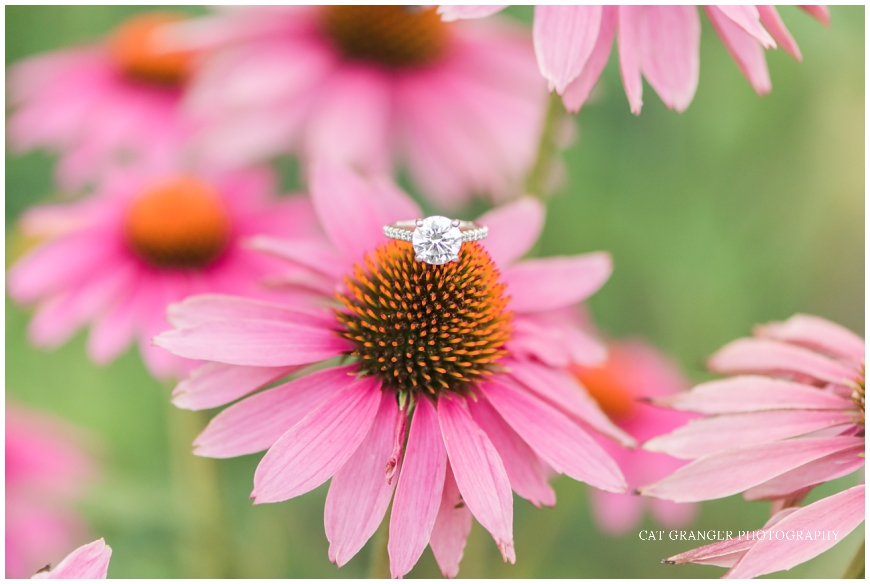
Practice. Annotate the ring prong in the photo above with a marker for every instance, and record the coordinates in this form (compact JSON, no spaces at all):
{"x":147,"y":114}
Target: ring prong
{"x":418,"y":223}
{"x":455,"y":223}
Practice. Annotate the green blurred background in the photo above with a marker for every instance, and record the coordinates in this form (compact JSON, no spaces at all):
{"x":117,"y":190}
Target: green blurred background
{"x":739,"y":211}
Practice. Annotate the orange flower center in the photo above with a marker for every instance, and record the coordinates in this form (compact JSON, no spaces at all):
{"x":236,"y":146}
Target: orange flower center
{"x":136,"y":49}
{"x":422,"y":327}
{"x":179,"y":222}
{"x":393,"y":36}
{"x":606,"y":387}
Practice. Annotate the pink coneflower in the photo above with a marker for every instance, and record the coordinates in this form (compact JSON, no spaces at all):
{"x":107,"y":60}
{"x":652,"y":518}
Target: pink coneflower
{"x":634,"y":370}
{"x":145,"y":239}
{"x":89,"y":562}
{"x":792,"y":419}
{"x":102,"y":105}
{"x":46,"y":470}
{"x":443,"y":354}
{"x":662,"y":43}
{"x":459,"y":106}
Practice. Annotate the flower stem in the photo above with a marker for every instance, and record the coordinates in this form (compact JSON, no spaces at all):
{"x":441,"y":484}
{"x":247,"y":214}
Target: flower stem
{"x":539,"y":180}
{"x":856,"y":566}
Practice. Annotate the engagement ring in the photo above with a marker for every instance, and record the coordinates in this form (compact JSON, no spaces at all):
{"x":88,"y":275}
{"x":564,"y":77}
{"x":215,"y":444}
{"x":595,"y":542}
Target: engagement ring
{"x":436,"y":239}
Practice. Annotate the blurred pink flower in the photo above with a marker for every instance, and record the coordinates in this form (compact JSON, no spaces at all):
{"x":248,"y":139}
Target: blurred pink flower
{"x":89,"y":562}
{"x":46,"y":469}
{"x":661,"y":42}
{"x":635,"y":370}
{"x":455,"y":344}
{"x":102,"y":105}
{"x":145,"y":239}
{"x":792,"y":419}
{"x":461,"y":106}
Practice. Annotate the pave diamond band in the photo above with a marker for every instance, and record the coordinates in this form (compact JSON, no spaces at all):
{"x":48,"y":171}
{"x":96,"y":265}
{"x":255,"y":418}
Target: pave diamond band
{"x":436,"y":239}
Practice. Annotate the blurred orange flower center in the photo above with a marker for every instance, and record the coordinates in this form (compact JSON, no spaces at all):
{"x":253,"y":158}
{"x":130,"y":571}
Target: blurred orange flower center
{"x":608,"y":389}
{"x":135,"y":47}
{"x":393,"y":36}
{"x":178,"y":223}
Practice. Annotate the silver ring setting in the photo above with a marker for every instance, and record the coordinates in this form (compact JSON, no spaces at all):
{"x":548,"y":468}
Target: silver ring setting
{"x":436,"y":239}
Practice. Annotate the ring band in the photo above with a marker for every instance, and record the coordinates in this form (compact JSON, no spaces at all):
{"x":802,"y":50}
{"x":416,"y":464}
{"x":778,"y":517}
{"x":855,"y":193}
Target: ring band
{"x":404,"y":230}
{"x":436,"y":239}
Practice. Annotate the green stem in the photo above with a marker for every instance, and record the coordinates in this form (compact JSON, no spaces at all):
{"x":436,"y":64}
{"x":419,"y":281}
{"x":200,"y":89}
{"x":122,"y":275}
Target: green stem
{"x":856,"y":566}
{"x":379,"y":559}
{"x":548,"y":148}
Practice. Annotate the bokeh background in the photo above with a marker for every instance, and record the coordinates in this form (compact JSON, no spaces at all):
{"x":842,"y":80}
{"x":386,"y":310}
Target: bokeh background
{"x":739,"y":211}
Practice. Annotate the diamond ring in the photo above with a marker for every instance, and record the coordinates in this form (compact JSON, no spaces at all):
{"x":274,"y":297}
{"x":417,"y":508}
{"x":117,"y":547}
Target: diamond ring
{"x":436,"y":239}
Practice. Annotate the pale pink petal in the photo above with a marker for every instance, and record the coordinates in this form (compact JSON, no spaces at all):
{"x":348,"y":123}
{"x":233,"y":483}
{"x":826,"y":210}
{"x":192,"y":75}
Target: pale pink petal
{"x":813,"y":473}
{"x":820,"y":13}
{"x":261,"y":343}
{"x":629,"y":39}
{"x":452,"y":526}
{"x":313,"y":450}
{"x":215,"y":384}
{"x":314,"y":255}
{"x":726,"y":473}
{"x":839,"y":513}
{"x":527,"y":473}
{"x":556,"y":439}
{"x":555,"y":282}
{"x":564,"y":38}
{"x":513,"y":229}
{"x":751,"y":393}
{"x":745,"y":50}
{"x":673,"y":515}
{"x":418,"y":495}
{"x":616,"y":513}
{"x":554,"y":338}
{"x":578,"y":90}
{"x":203,"y":308}
{"x":775,"y":358}
{"x":479,"y":473}
{"x":256,"y":423}
{"x":705,"y":436}
{"x":451,"y":13}
{"x":746,"y":17}
{"x":359,"y":495}
{"x":670,"y":58}
{"x":815,"y":333}
{"x":90,"y":561}
{"x":773,"y":23}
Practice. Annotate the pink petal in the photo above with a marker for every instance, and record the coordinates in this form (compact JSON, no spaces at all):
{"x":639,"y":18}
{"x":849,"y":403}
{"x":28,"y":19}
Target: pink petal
{"x":90,"y":561}
{"x":839,"y":513}
{"x":564,"y":38}
{"x":616,"y":513}
{"x":418,"y":495}
{"x":452,"y":526}
{"x":745,"y":50}
{"x":578,"y":90}
{"x":451,"y":13}
{"x":358,"y":494}
{"x":708,"y":435}
{"x":314,"y":255}
{"x":256,"y":423}
{"x":318,"y":446}
{"x":817,"y":334}
{"x":726,"y":473}
{"x":513,"y":229}
{"x":556,"y":282}
{"x":813,"y":473}
{"x":196,"y":310}
{"x":560,"y":442}
{"x":554,"y":342}
{"x":820,"y":13}
{"x":527,"y":473}
{"x":479,"y":473}
{"x":261,"y":343}
{"x":775,"y":358}
{"x":773,"y":23}
{"x":215,"y":384}
{"x":752,"y":393}
{"x":746,"y":17}
{"x":670,"y":58}
{"x":629,"y":41}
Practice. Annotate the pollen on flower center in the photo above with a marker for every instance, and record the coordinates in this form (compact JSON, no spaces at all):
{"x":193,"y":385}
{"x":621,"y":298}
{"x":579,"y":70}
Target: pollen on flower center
{"x":179,"y":222}
{"x":134,"y":48}
{"x":607,"y":389}
{"x":393,"y":36}
{"x":422,"y":327}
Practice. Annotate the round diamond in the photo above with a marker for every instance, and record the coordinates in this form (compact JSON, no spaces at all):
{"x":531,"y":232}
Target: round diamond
{"x":437,"y":240}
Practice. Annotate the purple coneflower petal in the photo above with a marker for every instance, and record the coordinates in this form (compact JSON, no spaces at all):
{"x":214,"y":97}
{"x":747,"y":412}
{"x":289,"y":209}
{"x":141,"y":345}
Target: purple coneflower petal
{"x":314,"y":255}
{"x":819,"y":12}
{"x":774,"y":24}
{"x":745,"y":50}
{"x":513,"y":229}
{"x":452,"y":526}
{"x":815,"y":333}
{"x":579,"y":89}
{"x":90,"y":561}
{"x":628,"y":42}
{"x":670,"y":58}
{"x":564,"y":38}
{"x":453,"y":12}
{"x":747,"y":18}
{"x":827,"y":468}
{"x":215,"y":384}
{"x":555,"y":282}
{"x":203,"y":308}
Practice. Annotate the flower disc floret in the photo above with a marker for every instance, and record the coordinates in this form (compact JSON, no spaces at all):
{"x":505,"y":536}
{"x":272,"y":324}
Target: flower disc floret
{"x":135,"y":48}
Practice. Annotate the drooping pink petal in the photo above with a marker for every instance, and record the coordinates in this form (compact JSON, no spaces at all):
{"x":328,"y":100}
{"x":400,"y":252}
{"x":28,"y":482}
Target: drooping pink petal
{"x":256,"y":423}
{"x":203,"y":308}
{"x":578,"y":90}
{"x":839,"y":513}
{"x":774,"y":358}
{"x":773,"y":23}
{"x":815,"y":333}
{"x":564,"y":38}
{"x":820,"y":13}
{"x":479,"y":473}
{"x":527,"y":473}
{"x":746,"y":51}
{"x":260,"y":343}
{"x":670,"y":57}
{"x":91,"y":561}
{"x":555,"y":282}
{"x":318,"y":446}
{"x":708,"y":435}
{"x":358,"y":495}
{"x":628,"y":40}
{"x":750,"y":393}
{"x":726,"y":473}
{"x":747,"y":18}
{"x":452,"y":526}
{"x":557,"y":440}
{"x":813,"y":473}
{"x":453,"y":12}
{"x":418,"y":496}
{"x":215,"y":384}
{"x":513,"y":229}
